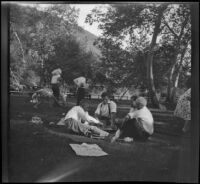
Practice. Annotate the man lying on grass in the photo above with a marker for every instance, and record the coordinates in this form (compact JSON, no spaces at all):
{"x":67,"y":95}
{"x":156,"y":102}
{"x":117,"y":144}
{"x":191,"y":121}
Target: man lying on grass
{"x":79,"y":121}
{"x":138,"y":124}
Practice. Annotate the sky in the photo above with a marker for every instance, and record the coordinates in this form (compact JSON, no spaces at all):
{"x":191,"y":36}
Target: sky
{"x":84,"y":10}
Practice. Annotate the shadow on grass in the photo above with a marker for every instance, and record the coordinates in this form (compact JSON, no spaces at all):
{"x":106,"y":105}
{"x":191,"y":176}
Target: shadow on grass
{"x":36,"y":154}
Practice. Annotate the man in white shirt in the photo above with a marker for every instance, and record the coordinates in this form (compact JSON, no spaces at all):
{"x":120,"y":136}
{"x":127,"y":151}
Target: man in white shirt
{"x":106,"y":111}
{"x":138,"y":124}
{"x":78,"y":114}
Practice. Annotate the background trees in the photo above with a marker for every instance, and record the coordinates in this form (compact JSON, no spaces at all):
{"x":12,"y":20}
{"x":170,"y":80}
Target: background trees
{"x":144,"y":46}
{"x":153,"y":39}
{"x":43,"y":39}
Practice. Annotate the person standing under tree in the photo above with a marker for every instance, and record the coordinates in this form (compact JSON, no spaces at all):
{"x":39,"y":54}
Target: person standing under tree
{"x":55,"y":84}
{"x":80,"y":93}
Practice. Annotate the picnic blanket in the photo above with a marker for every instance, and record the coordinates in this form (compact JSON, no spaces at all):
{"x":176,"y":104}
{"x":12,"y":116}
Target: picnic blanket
{"x":85,"y":149}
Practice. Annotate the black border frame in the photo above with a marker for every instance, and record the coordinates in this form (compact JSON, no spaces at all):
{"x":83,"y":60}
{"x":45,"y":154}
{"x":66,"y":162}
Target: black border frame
{"x":5,"y":83}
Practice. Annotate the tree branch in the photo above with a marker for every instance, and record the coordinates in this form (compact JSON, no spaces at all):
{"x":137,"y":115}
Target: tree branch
{"x":20,"y":43}
{"x":183,"y":26}
{"x":171,"y":29}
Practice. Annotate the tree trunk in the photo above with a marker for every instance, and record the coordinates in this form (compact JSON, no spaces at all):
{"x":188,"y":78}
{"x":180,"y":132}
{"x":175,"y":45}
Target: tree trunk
{"x":123,"y":94}
{"x":170,"y":77}
{"x":175,"y":84}
{"x":150,"y":77}
{"x":20,"y":43}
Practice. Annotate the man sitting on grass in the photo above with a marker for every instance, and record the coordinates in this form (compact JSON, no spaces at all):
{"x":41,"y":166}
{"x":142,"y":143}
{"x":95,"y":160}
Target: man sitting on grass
{"x":79,"y":121}
{"x":106,"y":111}
{"x":137,"y":124}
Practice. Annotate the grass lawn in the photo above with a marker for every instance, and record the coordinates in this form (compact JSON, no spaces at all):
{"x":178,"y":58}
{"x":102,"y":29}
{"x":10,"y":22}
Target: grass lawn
{"x":42,"y":153}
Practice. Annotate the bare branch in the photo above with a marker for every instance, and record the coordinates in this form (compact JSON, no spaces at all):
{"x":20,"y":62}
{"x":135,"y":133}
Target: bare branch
{"x":183,"y":26}
{"x":171,"y":29}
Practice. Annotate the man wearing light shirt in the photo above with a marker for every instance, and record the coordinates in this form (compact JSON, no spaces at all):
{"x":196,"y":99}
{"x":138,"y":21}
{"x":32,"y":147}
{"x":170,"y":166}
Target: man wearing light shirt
{"x":106,"y":111}
{"x":138,"y":124}
{"x":78,"y":114}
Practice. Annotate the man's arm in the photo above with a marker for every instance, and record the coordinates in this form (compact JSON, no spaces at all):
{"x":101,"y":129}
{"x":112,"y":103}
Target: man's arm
{"x":113,"y":109}
{"x":113,"y":116}
{"x":131,"y":115}
{"x":97,"y":112}
{"x":90,"y":119}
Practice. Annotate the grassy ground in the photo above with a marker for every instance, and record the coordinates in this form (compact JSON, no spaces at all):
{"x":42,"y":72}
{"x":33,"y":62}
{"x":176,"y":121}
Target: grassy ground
{"x":42,"y":153}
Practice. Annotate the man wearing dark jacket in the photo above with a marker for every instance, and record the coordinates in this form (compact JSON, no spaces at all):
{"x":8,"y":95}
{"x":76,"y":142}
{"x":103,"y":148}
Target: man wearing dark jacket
{"x":80,"y":94}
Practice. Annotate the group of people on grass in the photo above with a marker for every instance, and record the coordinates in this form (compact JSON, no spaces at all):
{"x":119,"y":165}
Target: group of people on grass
{"x":137,"y":124}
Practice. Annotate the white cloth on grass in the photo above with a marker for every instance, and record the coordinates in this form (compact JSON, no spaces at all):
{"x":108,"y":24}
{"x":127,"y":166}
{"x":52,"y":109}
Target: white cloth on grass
{"x":85,"y":149}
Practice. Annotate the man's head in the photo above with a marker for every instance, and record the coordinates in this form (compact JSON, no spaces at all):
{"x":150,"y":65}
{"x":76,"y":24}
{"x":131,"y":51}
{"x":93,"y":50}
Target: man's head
{"x":84,"y":104}
{"x":105,"y":97}
{"x":140,"y":102}
{"x":133,"y":98}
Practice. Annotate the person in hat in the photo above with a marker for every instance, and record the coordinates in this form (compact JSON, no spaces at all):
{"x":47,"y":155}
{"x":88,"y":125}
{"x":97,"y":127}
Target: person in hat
{"x":55,"y":84}
{"x":138,"y":124}
{"x":106,"y":110}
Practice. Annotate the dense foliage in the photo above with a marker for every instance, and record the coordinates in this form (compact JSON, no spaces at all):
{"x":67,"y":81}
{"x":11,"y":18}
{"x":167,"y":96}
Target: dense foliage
{"x":146,"y":45}
{"x":42,"y":40}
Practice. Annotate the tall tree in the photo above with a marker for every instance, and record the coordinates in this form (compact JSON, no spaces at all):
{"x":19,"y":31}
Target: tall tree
{"x":178,"y":31}
{"x":132,"y":23}
{"x":33,"y":33}
{"x":160,"y":11}
{"x":143,"y":28}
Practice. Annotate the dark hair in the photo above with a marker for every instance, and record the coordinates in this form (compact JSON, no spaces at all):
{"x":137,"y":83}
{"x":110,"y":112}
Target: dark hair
{"x":188,"y":83}
{"x":83,"y":102}
{"x":104,"y":94}
{"x":134,"y":97}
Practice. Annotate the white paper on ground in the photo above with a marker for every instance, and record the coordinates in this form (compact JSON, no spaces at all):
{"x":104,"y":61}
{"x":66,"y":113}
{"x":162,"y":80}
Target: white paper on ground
{"x":61,"y":122}
{"x":85,"y":149}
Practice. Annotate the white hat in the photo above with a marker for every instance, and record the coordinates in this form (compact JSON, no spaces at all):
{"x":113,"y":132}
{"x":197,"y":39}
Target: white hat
{"x":56,"y":71}
{"x":80,"y":80}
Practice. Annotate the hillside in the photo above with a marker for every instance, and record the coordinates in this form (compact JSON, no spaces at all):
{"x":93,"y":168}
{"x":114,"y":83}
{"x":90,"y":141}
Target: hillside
{"x":87,"y":39}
